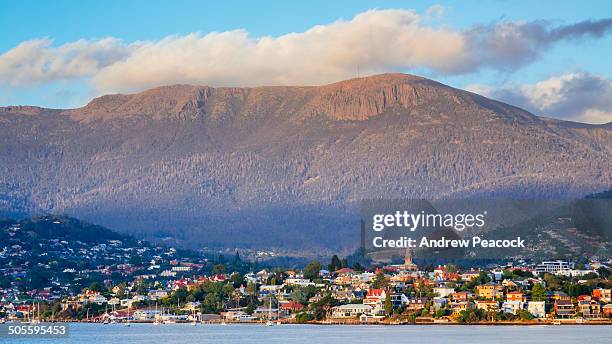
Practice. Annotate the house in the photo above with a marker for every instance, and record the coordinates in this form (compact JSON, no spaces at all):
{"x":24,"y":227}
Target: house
{"x":157,"y":294}
{"x":192,"y":306}
{"x":589,"y":308}
{"x":513,"y":306}
{"x":269,"y":289}
{"x":443,"y":291}
{"x":399,"y":299}
{"x":564,"y":309}
{"x":458,"y":307}
{"x":265,"y":313}
{"x":602,"y":295}
{"x":537,"y":308}
{"x":97,"y":299}
{"x":416,"y":304}
{"x":489,"y":291}
{"x":439,"y":303}
{"x":146,"y":314}
{"x":515,"y":296}
{"x":607,"y":310}
{"x":291,"y":307}
{"x":302,"y":282}
{"x":558,"y":295}
{"x":487,"y":305}
{"x":462,"y":296}
{"x":554,"y":267}
{"x":376,"y":299}
{"x":470,"y":275}
{"x":351,"y":310}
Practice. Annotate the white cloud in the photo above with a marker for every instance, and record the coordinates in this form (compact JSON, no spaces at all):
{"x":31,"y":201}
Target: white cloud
{"x":37,"y":61}
{"x":374,"y":41}
{"x":581,"y":97}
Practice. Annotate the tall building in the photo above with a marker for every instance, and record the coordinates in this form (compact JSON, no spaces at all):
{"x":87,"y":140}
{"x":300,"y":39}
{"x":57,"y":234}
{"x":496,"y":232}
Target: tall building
{"x":408,"y":264}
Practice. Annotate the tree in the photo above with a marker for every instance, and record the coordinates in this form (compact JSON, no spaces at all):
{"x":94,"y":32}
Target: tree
{"x":537,"y":292}
{"x":388,"y":305}
{"x":218,"y":269}
{"x":439,"y":313}
{"x":335,"y":263}
{"x":603,"y":272}
{"x":250,"y":308}
{"x":380,"y":281}
{"x":358,"y":267}
{"x":304,"y":317}
{"x":95,"y":286}
{"x":525,"y":315}
{"x":311,"y":271}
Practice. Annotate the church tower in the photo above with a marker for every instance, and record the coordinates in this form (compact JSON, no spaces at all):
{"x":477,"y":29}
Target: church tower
{"x":408,"y":264}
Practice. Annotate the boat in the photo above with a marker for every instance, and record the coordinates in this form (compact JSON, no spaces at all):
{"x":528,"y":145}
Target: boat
{"x":269,"y":322}
{"x":193,"y":315}
{"x":157,"y":316}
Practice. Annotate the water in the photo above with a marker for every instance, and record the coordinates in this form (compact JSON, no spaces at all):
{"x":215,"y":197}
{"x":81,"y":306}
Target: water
{"x":245,"y":334}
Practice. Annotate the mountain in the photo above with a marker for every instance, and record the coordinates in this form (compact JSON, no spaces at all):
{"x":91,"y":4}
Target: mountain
{"x":285,"y":166}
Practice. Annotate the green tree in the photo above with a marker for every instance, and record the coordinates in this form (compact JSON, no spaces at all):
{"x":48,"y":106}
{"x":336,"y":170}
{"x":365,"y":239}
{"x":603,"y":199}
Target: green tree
{"x":311,"y":271}
{"x":335,"y":263}
{"x":538,"y":293}
{"x":95,"y":286}
{"x":218,"y":269}
{"x":237,"y":259}
{"x":525,"y":315}
{"x":439,"y":313}
{"x":388,"y":305}
{"x":380,"y":281}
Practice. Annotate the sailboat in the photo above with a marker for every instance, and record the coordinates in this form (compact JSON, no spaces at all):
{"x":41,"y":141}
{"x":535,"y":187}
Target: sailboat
{"x":193,"y":315}
{"x":106,"y":316}
{"x":278,"y":322}
{"x":37,"y":320}
{"x":114,"y":315}
{"x":127,"y":323}
{"x":157,"y":316}
{"x":269,"y":322}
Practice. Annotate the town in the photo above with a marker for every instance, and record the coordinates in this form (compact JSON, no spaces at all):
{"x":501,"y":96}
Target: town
{"x":87,"y":273}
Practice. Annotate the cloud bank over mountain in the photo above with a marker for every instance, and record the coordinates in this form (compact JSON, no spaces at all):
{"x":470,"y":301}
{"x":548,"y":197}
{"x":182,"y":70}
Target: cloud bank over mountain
{"x":372,"y":42}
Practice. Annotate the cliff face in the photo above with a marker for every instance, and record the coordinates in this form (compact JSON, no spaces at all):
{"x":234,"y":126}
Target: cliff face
{"x":280,"y":166}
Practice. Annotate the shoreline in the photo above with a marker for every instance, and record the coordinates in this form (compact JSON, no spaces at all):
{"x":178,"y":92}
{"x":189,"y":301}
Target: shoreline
{"x":557,"y":322}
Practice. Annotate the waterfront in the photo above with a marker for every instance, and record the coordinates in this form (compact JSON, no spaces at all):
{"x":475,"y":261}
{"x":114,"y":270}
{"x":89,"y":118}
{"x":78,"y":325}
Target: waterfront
{"x":244,"y":334}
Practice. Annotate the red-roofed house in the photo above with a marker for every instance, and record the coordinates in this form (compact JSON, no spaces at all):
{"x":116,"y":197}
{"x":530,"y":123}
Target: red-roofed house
{"x":292,"y":307}
{"x":376,"y":299}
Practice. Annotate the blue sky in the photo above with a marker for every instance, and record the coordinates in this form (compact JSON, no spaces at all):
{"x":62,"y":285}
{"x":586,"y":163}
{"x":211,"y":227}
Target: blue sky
{"x":551,"y":68}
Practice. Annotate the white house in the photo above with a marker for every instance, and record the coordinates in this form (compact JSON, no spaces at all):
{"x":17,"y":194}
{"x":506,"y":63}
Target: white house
{"x":298,"y":281}
{"x":351,"y":310}
{"x":443,"y":291}
{"x":146,"y":314}
{"x":536,"y":308}
{"x":513,"y":306}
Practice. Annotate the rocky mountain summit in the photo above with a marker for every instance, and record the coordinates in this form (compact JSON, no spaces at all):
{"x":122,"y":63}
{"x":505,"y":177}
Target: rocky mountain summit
{"x":285,"y":166}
